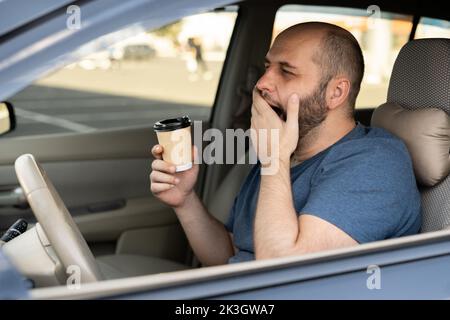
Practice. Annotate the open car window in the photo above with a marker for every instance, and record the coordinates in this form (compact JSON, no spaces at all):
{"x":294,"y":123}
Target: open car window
{"x":432,"y":28}
{"x":380,"y":34}
{"x":145,"y":75}
{"x":170,"y":75}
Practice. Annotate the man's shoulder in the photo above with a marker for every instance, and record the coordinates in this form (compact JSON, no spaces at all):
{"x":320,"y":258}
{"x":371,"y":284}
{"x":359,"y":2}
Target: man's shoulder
{"x":373,"y":152}
{"x":371,"y":144}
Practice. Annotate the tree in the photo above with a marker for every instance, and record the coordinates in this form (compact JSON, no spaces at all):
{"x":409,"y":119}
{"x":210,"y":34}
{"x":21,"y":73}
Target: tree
{"x":170,"y":31}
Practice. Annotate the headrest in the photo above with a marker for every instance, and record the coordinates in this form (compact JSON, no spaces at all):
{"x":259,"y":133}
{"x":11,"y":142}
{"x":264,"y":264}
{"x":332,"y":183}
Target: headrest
{"x":418,"y":107}
{"x":421,"y":75}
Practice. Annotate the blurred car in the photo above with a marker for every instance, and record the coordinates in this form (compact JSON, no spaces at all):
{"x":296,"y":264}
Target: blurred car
{"x":124,"y":242}
{"x":138,"y":52}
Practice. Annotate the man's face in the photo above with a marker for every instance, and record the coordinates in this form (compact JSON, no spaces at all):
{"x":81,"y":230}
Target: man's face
{"x":290,"y":69}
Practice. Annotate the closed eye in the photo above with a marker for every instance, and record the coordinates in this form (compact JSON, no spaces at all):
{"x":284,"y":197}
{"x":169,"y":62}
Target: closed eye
{"x":287,"y":72}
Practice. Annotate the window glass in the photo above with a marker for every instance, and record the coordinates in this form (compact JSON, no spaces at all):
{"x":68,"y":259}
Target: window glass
{"x":432,"y":28}
{"x":380,"y":35}
{"x":146,"y":77}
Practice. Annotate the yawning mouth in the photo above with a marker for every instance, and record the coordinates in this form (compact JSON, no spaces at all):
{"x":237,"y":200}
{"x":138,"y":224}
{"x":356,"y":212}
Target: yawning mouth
{"x":275,"y":107}
{"x":279,"y":112}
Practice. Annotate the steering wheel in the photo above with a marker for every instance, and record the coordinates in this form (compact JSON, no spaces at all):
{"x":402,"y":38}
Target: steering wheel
{"x":54,"y":218}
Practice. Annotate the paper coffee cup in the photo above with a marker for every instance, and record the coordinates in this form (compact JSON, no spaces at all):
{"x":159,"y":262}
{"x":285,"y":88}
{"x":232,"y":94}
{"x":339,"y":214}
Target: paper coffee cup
{"x":174,"y":135}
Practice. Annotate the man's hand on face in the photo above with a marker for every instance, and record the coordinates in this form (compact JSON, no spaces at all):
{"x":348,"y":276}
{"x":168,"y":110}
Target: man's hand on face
{"x":264,"y":117}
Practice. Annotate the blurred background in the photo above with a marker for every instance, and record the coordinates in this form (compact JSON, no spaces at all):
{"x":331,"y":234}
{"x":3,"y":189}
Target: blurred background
{"x":175,"y":70}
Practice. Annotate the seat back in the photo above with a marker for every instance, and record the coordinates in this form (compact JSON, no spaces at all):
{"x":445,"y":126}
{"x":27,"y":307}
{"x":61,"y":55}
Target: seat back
{"x":417,"y":111}
{"x":223,"y":199}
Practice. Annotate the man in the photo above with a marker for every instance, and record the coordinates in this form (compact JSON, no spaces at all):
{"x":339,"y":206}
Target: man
{"x":338,"y":183}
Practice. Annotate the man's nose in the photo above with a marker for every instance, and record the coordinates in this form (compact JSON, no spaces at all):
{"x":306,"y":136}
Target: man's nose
{"x":266,"y":82}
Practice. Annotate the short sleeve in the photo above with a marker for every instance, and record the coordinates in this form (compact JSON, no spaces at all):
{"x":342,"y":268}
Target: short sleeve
{"x":369,"y":194}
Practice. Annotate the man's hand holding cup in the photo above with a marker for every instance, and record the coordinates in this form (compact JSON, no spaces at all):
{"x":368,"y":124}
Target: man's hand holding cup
{"x":174,"y":174}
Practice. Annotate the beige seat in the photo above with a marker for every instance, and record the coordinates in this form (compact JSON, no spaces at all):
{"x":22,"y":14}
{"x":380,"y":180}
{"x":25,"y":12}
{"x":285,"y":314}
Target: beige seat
{"x":417,"y":110}
{"x":222,"y":201}
{"x":127,"y":265}
{"x":121,"y":266}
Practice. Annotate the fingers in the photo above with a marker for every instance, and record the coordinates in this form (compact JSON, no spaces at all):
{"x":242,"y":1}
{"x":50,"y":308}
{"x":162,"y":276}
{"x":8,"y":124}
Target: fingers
{"x":163,"y":166}
{"x":161,"y":181}
{"x":256,"y":105}
{"x":292,"y":111}
{"x":254,"y":136}
{"x":260,"y":107}
{"x":160,"y":187}
{"x":157,"y":151}
{"x":166,"y":167}
{"x":161,"y":177}
{"x":255,"y":93}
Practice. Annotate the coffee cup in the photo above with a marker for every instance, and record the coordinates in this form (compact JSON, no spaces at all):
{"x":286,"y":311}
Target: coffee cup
{"x":174,"y":135}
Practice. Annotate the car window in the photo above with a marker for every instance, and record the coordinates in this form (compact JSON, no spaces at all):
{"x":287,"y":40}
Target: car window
{"x":136,"y":81}
{"x":432,"y":28}
{"x":380,"y":35}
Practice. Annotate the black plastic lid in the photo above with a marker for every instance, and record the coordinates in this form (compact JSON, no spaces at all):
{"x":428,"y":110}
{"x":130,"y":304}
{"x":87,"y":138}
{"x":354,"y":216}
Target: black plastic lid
{"x":172,"y":124}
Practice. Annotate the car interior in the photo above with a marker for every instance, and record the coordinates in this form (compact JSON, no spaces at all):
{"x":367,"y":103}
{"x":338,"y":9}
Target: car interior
{"x":94,"y":205}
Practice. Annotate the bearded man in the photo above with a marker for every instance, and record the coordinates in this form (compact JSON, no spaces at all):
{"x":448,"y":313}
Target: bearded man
{"x":337,"y":183}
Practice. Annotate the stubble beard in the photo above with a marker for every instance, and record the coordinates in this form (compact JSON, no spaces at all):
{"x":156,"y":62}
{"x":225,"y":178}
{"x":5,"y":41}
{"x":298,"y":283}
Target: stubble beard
{"x":312,"y":113}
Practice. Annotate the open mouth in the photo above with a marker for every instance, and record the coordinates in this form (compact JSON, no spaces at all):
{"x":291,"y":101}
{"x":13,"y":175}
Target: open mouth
{"x":275,"y":107}
{"x":280,"y":113}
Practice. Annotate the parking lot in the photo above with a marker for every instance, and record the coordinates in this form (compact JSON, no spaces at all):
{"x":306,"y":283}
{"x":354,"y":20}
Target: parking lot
{"x":126,"y":94}
{"x":129,"y":94}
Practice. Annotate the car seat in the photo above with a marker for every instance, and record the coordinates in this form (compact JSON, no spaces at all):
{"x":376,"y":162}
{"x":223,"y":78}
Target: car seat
{"x":417,"y":111}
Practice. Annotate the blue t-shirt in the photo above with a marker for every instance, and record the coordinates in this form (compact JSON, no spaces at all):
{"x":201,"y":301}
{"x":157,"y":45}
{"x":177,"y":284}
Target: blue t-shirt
{"x":363,"y":184}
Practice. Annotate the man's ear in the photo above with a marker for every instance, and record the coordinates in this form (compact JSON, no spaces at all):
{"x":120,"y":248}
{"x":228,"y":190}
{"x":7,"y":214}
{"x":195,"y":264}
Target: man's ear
{"x":337,"y":92}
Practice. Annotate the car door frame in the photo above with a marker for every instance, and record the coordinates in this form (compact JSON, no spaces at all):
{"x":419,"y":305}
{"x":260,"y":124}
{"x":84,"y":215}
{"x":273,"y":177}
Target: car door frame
{"x":413,"y":267}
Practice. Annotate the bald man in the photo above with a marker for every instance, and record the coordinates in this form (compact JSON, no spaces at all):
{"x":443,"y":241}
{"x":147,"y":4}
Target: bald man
{"x":338,"y":183}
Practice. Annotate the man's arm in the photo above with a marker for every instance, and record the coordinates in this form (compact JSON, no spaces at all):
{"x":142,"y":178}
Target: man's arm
{"x":209,"y":239}
{"x":278,"y":230}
